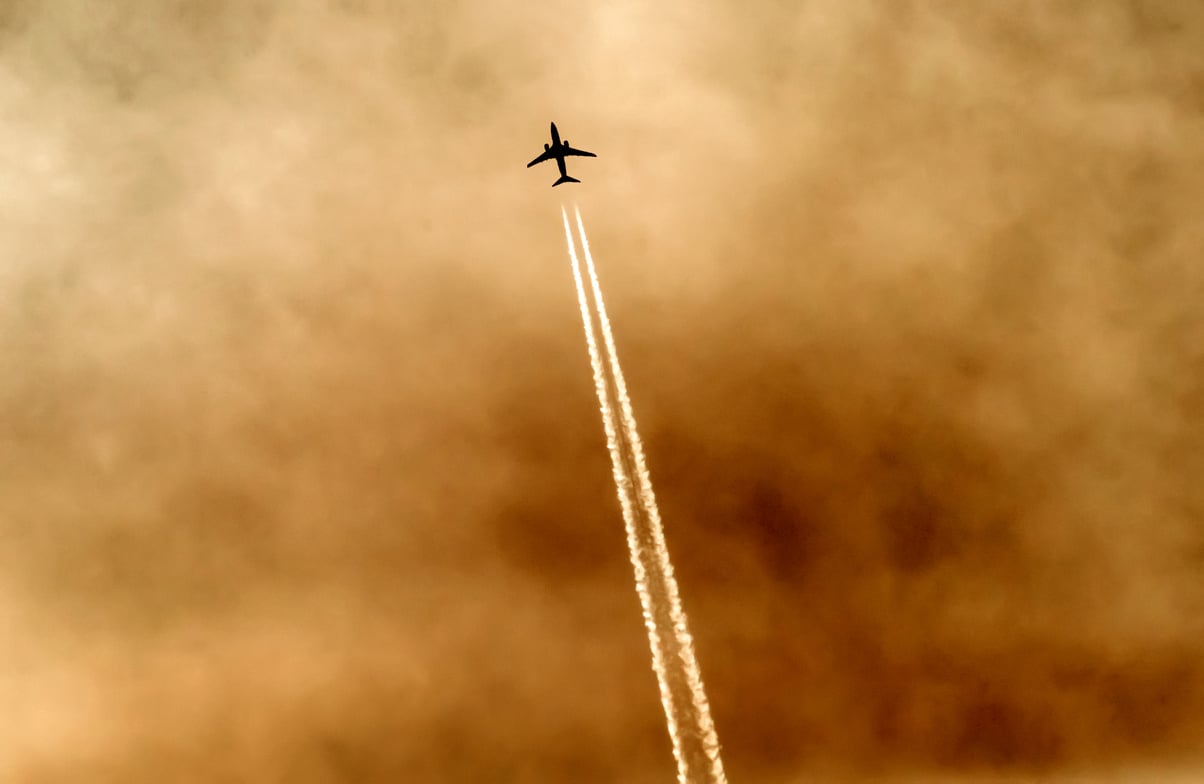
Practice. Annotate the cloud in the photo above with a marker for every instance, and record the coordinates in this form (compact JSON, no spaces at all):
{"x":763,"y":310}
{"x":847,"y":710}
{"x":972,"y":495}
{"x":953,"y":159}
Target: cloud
{"x":300,"y":474}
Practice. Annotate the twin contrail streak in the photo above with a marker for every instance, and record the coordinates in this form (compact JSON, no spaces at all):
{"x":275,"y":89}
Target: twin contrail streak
{"x":695,"y":744}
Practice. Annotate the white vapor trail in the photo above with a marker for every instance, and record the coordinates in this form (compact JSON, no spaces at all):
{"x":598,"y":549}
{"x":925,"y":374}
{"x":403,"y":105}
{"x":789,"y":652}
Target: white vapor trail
{"x":624,"y":486}
{"x":695,"y":743}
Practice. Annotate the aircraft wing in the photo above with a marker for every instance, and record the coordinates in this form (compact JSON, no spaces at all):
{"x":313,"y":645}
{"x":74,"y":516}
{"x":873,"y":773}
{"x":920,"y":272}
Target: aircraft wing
{"x":573,"y":151}
{"x":546,"y":155}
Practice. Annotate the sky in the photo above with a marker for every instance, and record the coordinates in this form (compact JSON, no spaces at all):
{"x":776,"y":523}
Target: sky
{"x":301,"y":472}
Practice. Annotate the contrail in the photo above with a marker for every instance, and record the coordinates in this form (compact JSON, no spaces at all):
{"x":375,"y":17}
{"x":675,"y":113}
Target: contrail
{"x":626,"y":494}
{"x":695,"y":744}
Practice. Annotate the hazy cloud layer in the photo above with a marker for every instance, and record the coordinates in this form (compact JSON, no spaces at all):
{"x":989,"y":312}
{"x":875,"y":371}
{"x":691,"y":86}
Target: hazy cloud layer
{"x":300,"y":472}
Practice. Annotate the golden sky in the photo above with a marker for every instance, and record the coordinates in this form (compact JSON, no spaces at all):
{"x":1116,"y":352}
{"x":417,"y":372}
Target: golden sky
{"x":301,"y":472}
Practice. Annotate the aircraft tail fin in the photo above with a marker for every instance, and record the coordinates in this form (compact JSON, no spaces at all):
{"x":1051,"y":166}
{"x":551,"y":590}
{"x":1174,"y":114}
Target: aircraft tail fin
{"x":565,"y":178}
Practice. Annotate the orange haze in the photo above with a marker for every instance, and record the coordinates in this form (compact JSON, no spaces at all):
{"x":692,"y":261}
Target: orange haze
{"x":301,"y":475}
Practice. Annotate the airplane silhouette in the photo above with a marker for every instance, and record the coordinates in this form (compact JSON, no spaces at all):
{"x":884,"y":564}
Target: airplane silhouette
{"x":558,"y":150}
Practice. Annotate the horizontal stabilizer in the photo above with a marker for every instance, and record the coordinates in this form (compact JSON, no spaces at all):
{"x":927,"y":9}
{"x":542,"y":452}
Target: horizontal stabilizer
{"x":565,"y":179}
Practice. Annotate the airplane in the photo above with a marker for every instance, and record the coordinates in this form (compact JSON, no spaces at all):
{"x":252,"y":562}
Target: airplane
{"x":558,"y":150}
